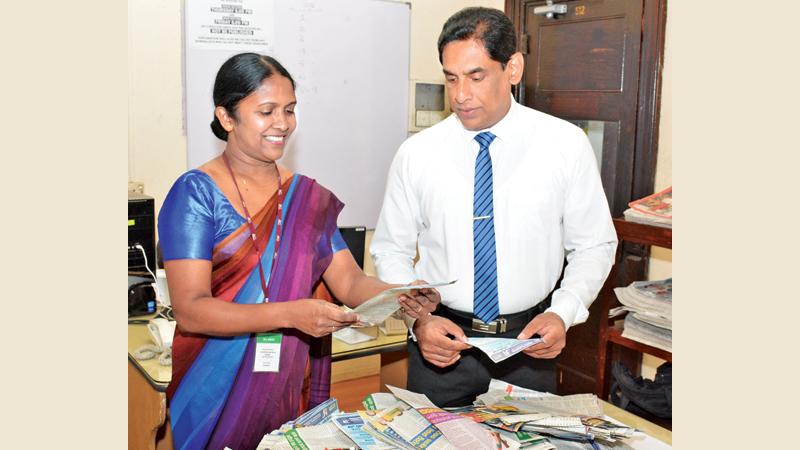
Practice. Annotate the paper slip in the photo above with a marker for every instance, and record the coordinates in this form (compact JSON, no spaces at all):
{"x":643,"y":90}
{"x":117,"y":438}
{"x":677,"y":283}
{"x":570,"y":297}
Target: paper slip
{"x":378,"y":400}
{"x":516,"y":418}
{"x":319,"y":414}
{"x":514,"y":390}
{"x":353,"y":426}
{"x":378,"y":308}
{"x":414,"y":399}
{"x":460,"y":431}
{"x":352,"y":336}
{"x":411,"y":426}
{"x":499,"y":349}
{"x":319,"y":437}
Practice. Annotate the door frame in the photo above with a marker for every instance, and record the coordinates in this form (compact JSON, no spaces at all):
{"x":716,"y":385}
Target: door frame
{"x":654,"y":15}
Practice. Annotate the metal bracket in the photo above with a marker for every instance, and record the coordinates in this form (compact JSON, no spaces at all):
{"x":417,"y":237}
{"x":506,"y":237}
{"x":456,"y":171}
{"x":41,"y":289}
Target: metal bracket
{"x":550,"y":10}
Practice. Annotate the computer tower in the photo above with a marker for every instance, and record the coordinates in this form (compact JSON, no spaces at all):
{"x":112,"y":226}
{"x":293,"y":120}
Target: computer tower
{"x":141,"y":231}
{"x":355,"y":238}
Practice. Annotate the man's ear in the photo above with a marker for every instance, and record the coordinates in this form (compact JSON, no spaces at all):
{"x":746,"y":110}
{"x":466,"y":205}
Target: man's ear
{"x":515,"y":67}
{"x":224,"y":118}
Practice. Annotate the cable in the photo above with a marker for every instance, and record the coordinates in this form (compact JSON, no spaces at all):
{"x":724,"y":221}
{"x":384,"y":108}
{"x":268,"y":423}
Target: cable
{"x":164,"y":311}
{"x":147,"y":266}
{"x":149,"y":351}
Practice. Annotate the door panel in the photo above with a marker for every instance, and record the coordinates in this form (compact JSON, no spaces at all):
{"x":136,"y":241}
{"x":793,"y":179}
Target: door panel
{"x":563,"y":48}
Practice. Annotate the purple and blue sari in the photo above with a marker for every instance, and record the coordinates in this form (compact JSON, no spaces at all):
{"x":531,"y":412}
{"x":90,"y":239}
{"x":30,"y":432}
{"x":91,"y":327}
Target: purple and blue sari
{"x":215,"y":398}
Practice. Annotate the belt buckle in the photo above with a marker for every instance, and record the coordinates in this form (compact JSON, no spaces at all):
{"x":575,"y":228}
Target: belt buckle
{"x":491,"y":327}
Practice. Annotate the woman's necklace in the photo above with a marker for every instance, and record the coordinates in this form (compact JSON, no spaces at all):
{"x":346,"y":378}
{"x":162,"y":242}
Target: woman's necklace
{"x":278,"y":217}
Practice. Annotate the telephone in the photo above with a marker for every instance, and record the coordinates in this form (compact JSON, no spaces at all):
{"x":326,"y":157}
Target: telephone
{"x":161,"y":332}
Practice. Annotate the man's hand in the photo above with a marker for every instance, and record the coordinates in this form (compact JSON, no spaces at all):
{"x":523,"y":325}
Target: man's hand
{"x":435,"y":344}
{"x":552,"y":331}
{"x":420,"y":302}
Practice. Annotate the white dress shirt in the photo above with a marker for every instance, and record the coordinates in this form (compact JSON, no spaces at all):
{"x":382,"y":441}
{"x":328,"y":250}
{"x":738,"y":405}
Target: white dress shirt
{"x":548,"y":203}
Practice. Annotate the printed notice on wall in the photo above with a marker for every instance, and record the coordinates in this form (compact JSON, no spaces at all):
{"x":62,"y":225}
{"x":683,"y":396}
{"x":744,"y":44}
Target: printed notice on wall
{"x":230,"y":24}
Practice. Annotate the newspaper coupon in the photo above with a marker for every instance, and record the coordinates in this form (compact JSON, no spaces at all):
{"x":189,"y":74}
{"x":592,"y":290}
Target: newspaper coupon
{"x":499,"y":349}
{"x":378,"y":308}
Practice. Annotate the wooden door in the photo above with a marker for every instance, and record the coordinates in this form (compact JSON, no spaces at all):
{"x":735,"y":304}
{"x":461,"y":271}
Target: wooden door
{"x":583,"y":66}
{"x":598,"y":66}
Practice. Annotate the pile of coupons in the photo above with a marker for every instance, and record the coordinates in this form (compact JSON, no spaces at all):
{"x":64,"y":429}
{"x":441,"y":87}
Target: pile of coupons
{"x":505,"y":417}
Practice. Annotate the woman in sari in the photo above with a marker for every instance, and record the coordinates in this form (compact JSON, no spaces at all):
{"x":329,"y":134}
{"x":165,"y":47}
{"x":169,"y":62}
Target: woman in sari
{"x":246,"y":244}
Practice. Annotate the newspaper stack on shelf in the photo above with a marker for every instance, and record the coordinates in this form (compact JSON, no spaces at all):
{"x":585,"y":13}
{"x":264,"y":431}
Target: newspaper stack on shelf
{"x":517,"y":418}
{"x":654,"y":209}
{"x":649,"y":307}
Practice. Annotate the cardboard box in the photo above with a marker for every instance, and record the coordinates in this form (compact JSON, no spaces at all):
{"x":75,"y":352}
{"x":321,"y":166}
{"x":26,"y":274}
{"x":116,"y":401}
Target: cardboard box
{"x":392,"y":326}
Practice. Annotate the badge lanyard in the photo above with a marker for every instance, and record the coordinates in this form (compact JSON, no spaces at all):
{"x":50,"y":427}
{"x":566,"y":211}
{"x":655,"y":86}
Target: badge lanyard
{"x":278,"y":215}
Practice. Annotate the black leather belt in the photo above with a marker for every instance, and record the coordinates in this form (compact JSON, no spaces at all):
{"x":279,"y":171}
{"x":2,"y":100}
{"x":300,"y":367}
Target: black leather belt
{"x":502,"y":324}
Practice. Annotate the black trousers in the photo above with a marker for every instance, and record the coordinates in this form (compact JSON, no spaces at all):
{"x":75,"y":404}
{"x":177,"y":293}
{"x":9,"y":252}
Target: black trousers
{"x":460,"y":383}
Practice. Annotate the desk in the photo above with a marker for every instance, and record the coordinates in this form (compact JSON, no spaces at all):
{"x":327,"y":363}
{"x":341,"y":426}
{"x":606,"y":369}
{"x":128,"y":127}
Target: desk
{"x":662,"y":434}
{"x":341,"y":351}
{"x":147,"y":401}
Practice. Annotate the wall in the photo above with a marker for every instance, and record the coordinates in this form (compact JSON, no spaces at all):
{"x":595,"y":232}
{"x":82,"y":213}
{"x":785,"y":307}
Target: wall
{"x":156,"y":140}
{"x":660,"y":258}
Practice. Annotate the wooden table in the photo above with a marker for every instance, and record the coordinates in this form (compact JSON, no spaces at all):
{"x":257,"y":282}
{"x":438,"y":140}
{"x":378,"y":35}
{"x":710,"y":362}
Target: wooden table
{"x":147,"y":402}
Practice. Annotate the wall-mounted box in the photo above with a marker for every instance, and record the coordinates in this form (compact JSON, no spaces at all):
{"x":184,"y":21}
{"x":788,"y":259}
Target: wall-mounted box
{"x":429,"y":104}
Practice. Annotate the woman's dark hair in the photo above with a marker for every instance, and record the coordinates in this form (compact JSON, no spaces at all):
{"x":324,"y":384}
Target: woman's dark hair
{"x":487,"y":25}
{"x":237,"y":78}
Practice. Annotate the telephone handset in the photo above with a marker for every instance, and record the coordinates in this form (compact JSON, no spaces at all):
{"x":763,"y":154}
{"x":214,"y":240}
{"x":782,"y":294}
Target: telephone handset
{"x":161,"y":331}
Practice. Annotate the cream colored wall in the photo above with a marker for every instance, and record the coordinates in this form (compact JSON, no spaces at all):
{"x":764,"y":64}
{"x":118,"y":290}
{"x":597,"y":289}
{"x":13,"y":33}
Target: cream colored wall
{"x":660,"y":258}
{"x":156,"y":141}
{"x":427,"y":18}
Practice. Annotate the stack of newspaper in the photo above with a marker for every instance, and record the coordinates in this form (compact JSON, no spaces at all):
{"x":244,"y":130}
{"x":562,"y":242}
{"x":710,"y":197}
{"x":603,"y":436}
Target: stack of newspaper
{"x":649,"y":306}
{"x":655,"y":209}
{"x":505,"y":417}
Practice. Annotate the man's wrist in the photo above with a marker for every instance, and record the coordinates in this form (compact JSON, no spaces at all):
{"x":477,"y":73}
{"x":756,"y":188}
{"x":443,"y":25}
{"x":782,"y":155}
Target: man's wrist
{"x":421,"y":320}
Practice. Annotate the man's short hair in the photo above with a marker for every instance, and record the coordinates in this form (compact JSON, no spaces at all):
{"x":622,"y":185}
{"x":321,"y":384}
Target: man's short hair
{"x":487,"y":25}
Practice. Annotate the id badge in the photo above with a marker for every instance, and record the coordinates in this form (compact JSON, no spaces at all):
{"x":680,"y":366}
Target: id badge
{"x":268,"y":352}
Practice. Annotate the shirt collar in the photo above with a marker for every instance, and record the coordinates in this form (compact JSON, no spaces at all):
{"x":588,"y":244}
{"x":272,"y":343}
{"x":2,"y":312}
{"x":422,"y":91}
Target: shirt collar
{"x":503,"y":130}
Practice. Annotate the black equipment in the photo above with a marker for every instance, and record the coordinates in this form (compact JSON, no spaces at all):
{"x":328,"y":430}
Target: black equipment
{"x":141,"y":231}
{"x":355,"y":238}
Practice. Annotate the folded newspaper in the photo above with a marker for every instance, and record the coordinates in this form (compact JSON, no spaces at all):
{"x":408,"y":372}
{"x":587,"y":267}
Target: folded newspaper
{"x":378,"y":308}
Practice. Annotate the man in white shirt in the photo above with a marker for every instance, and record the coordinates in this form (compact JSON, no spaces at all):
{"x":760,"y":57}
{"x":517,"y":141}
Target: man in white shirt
{"x":495,"y":196}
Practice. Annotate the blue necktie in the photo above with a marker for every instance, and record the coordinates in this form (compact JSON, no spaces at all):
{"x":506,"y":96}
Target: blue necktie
{"x":485,"y":305}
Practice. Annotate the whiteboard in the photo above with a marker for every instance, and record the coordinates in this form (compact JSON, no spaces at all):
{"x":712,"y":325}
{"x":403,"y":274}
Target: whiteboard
{"x":350,"y":61}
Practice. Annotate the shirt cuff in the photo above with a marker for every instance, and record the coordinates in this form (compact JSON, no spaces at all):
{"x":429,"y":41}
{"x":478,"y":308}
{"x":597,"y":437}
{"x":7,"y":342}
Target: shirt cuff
{"x":409,"y":321}
{"x":569,"y":307}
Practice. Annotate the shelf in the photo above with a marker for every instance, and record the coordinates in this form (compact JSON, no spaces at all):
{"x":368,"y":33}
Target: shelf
{"x":640,"y":233}
{"x":625,"y":271}
{"x":615,"y":336}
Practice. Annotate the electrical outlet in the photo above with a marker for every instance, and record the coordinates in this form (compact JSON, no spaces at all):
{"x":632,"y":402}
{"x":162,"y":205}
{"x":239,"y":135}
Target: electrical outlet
{"x":136,"y":186}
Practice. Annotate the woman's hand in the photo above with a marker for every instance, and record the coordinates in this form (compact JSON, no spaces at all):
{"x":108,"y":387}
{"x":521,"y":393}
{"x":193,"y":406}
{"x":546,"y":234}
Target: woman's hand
{"x":421,"y":302}
{"x":317,"y":317}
